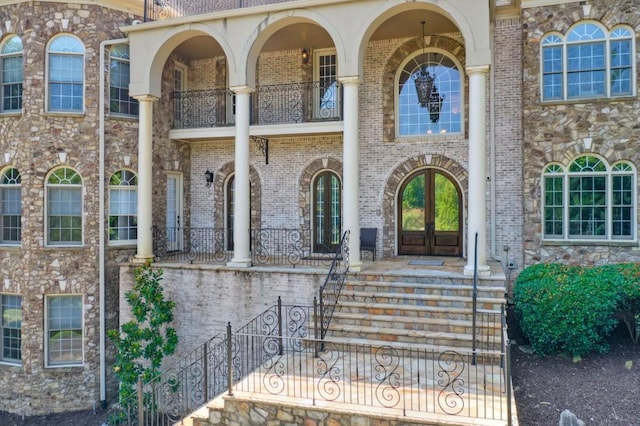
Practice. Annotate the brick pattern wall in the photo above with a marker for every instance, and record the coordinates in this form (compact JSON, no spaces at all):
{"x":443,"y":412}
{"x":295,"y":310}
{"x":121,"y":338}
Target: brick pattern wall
{"x":557,"y":131}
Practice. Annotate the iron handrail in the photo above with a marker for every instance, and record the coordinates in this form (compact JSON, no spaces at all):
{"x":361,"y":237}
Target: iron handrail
{"x":330,"y":290}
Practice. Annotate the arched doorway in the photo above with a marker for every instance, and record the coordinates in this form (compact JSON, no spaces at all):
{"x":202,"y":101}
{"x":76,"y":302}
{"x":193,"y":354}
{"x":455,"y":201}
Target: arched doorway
{"x":326,"y":212}
{"x":430,"y":214}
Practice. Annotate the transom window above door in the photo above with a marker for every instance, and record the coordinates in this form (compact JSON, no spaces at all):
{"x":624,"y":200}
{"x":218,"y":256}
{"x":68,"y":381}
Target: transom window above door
{"x":438,"y":76}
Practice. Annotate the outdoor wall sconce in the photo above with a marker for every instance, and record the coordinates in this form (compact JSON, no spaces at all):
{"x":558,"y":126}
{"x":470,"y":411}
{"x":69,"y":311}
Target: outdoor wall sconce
{"x":426,"y":89}
{"x":305,"y":56}
{"x":208,"y":177}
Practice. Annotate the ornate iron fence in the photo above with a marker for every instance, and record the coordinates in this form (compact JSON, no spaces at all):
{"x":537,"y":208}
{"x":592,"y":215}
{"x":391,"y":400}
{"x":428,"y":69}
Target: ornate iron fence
{"x":277,"y":104}
{"x":202,"y":108}
{"x":330,"y":290}
{"x":157,"y":10}
{"x":269,"y":246}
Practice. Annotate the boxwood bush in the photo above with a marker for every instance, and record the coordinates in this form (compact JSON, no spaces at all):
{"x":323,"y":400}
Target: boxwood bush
{"x":572,"y":309}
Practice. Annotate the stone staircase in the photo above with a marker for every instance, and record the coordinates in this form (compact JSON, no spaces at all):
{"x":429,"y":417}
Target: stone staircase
{"x":426,"y":312}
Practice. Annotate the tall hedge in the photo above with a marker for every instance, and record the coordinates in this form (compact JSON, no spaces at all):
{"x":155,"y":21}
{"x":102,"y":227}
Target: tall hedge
{"x":572,"y":309}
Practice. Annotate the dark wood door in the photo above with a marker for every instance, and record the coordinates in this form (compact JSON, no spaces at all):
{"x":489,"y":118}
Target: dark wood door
{"x":430,"y":215}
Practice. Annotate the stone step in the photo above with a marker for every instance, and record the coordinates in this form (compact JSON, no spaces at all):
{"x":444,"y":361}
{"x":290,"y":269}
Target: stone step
{"x":396,"y":298}
{"x":431,"y":278}
{"x":384,"y":287}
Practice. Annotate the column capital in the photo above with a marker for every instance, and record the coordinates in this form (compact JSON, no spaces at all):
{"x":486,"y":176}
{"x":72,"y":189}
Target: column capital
{"x":239,"y":90}
{"x":352,"y":80}
{"x":477,"y":69}
{"x":146,"y":98}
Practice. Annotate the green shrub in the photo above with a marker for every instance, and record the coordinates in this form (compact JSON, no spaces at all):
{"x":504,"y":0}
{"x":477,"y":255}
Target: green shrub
{"x":572,"y":309}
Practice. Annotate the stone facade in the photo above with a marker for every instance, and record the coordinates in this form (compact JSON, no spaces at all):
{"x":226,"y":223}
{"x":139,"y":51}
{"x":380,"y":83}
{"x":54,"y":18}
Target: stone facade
{"x":560,"y":131}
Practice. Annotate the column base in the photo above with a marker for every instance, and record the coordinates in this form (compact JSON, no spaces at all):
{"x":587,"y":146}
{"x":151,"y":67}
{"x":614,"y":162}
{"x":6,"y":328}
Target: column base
{"x":483,"y":270}
{"x":143,"y":259}
{"x":355,"y":266}
{"x":240,"y":263}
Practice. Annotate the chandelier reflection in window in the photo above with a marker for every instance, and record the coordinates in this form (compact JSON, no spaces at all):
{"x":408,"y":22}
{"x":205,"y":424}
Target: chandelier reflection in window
{"x":426,"y":89}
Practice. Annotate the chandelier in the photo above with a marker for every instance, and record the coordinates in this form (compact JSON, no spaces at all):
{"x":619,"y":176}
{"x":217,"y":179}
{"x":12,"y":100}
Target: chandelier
{"x":426,"y":89}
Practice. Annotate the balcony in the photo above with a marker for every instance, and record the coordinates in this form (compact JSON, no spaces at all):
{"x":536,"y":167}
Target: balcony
{"x":158,"y":10}
{"x":270,"y":105}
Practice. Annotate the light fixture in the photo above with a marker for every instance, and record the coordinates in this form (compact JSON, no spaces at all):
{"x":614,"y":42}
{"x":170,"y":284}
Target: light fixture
{"x":208,"y":177}
{"x":305,"y":56}
{"x":426,"y":89}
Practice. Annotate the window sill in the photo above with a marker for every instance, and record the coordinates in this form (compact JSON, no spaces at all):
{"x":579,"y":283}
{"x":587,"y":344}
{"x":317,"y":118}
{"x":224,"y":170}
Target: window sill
{"x":65,"y":247}
{"x":15,"y":113}
{"x":604,"y":243}
{"x":126,"y":117}
{"x":554,"y":102}
{"x":7,"y":246}
{"x":64,"y":114}
{"x":6,"y":365}
{"x":122,"y":245}
{"x":74,"y":368}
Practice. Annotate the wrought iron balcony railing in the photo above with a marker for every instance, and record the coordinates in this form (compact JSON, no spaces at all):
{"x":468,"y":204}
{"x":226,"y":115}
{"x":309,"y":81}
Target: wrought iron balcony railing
{"x":276,"y":104}
{"x":158,"y":10}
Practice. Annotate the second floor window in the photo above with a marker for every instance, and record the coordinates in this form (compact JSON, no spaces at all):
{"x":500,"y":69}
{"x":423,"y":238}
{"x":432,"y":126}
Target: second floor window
{"x":442,"y":113}
{"x":10,"y":207}
{"x":12,"y":66}
{"x":64,"y":208}
{"x":588,"y":62}
{"x":119,"y":100}
{"x":66,"y":74}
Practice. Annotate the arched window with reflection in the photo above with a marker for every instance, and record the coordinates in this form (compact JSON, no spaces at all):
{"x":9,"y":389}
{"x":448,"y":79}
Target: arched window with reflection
{"x":438,"y":109}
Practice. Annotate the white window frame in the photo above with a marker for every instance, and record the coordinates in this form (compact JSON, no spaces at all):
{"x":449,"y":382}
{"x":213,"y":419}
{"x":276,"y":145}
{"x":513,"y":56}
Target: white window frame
{"x":49,"y":186}
{"x":564,"y":173}
{"x":124,"y":187}
{"x":7,"y":183}
{"x":555,"y":39}
{"x":318,"y":111}
{"x":47,"y":316}
{"x":48,"y":91}
{"x":3,"y":316}
{"x":10,"y":55}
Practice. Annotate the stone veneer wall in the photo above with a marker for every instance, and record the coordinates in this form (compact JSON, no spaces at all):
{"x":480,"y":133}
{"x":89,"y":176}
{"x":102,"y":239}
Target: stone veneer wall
{"x":33,"y":140}
{"x":240,"y":410}
{"x":557,"y":131}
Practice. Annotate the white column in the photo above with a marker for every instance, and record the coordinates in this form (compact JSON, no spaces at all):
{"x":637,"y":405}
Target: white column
{"x":145,"y":178}
{"x":242,"y":189}
{"x":351,"y":170}
{"x":477,"y":206}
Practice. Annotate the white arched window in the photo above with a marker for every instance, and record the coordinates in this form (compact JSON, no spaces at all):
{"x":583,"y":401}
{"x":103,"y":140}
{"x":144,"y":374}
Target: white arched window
{"x":12,"y":73}
{"x":438,"y":76}
{"x":123,"y":207}
{"x":589,"y":200}
{"x":10,"y":206}
{"x":65,"y":65}
{"x":64,"y":208}
{"x":588,"y":62}
{"x":119,"y":100}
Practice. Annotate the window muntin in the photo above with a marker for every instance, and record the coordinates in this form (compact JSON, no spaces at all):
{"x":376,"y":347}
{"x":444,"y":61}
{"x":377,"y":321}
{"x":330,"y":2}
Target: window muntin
{"x":119,"y":76}
{"x":11,"y":311}
{"x":588,"y":63}
{"x":10,"y":207}
{"x":11,"y":62}
{"x":64,"y":208}
{"x":123,"y":207}
{"x":589,"y":201}
{"x":66,"y":74}
{"x":64,"y":335}
{"x":436,"y":118}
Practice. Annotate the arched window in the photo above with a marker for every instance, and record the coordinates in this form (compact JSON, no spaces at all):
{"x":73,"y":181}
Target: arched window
{"x":327,"y":212}
{"x":442,"y":113}
{"x":119,"y":100}
{"x":66,"y":74}
{"x":588,"y":62}
{"x":10,"y":207}
{"x":64,"y":208}
{"x":12,"y":67}
{"x":589,"y":200}
{"x":123,"y":207}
